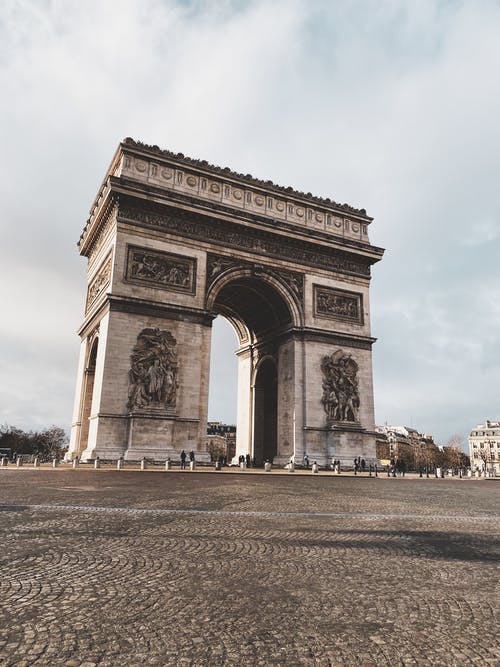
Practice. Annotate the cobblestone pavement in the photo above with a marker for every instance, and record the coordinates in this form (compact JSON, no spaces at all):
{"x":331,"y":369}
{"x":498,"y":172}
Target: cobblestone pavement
{"x":97,"y":569}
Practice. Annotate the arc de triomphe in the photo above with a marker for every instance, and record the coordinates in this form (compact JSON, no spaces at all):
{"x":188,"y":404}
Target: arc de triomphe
{"x":173,"y":242}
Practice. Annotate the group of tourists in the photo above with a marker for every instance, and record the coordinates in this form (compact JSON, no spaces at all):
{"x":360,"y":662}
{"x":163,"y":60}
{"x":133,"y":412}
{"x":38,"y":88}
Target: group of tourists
{"x":359,"y":464}
{"x":336,"y":465}
{"x":397,"y":468}
{"x":184,"y":457}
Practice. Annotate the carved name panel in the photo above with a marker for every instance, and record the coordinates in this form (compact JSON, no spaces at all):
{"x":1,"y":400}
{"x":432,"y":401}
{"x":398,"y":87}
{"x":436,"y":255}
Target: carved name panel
{"x":338,"y":304}
{"x":99,"y":282}
{"x":161,"y":269}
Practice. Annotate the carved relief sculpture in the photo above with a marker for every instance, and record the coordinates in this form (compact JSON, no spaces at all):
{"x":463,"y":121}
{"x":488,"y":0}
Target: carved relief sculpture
{"x":338,"y":304}
{"x":340,"y":387}
{"x":160,"y":269}
{"x":216,"y":264}
{"x":99,"y":282}
{"x":248,"y":240}
{"x":153,"y":370}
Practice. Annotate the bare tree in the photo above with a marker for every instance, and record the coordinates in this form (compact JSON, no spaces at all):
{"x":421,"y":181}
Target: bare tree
{"x":456,"y":440}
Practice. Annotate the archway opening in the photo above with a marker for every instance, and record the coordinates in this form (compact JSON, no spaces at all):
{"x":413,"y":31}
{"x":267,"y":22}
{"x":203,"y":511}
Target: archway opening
{"x":260,"y":313}
{"x":253,"y":303}
{"x":266,"y":412}
{"x":88,"y":393}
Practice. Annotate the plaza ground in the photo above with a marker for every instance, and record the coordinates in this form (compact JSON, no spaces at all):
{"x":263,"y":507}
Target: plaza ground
{"x":106,"y":567}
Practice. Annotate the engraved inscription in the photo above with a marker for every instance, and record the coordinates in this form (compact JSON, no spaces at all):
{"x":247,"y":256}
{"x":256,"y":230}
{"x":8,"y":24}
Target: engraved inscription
{"x":160,"y":269}
{"x":338,"y":304}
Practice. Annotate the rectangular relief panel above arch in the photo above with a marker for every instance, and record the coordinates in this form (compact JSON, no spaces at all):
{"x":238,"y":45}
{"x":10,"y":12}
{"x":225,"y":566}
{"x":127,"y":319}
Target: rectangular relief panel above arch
{"x":338,"y":304}
{"x":156,"y":268}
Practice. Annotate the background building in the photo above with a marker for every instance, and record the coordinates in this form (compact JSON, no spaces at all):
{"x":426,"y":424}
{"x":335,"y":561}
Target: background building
{"x":484,"y":447}
{"x":407,"y":445}
{"x":221,"y":440}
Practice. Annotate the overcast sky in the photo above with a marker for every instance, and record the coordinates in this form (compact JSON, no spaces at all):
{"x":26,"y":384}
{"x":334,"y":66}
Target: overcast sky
{"x":389,"y":105}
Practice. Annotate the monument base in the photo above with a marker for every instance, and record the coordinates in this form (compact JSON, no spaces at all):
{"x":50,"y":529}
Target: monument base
{"x":342,"y":441}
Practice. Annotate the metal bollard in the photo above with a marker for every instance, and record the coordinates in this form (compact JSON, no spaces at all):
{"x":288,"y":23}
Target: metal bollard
{"x":267,"y":466}
{"x":119,"y":463}
{"x":55,"y":463}
{"x":143,"y":464}
{"x":97,"y":463}
{"x":168,"y":465}
{"x":217,"y":465}
{"x":291,"y":467}
{"x":243,"y":465}
{"x":36,"y":462}
{"x":388,"y":472}
{"x":191,"y":465}
{"x":315,"y":468}
{"x":75,"y":462}
{"x":4,"y":462}
{"x":19,"y":462}
{"x":376,"y":471}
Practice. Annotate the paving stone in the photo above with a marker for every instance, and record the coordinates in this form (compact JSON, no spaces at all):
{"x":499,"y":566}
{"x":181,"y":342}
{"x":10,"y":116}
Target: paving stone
{"x":131,"y":584}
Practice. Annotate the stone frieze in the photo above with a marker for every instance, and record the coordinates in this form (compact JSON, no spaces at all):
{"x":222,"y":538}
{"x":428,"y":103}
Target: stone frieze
{"x":338,"y":304}
{"x":99,"y":282}
{"x":250,"y":240}
{"x":160,"y":269}
{"x":217,"y":264}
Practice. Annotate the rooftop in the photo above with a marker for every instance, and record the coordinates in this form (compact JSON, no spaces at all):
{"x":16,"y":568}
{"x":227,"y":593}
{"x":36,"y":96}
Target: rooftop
{"x":246,"y":178}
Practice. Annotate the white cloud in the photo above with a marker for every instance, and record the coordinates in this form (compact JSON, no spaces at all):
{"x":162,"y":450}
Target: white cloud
{"x":387,"y":105}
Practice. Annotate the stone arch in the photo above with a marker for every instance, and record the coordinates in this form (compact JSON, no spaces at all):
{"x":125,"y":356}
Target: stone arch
{"x":290,"y":272}
{"x":260,"y":307}
{"x":273,"y":291}
{"x":87,"y":392}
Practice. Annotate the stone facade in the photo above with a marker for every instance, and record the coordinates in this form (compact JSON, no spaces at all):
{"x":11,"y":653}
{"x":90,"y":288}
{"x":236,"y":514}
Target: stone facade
{"x":173,"y":242}
{"x":484,"y":448}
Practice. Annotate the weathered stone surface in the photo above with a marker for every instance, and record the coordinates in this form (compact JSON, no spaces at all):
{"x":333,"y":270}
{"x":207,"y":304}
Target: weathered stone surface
{"x":172,"y":243}
{"x":133,"y":586}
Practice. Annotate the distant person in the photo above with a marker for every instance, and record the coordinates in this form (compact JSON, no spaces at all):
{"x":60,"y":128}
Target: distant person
{"x":183,"y":460}
{"x":248,"y":460}
{"x":306,"y":461}
{"x":191,"y":456}
{"x":363,"y":465}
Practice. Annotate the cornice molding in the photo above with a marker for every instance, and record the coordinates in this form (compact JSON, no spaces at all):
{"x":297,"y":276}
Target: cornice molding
{"x":226,"y":172}
{"x":246,"y":239}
